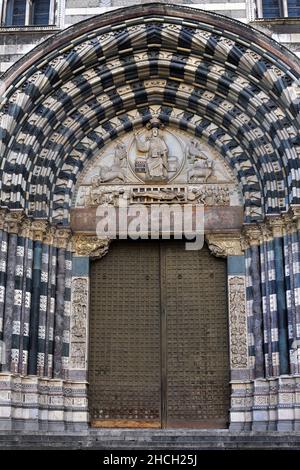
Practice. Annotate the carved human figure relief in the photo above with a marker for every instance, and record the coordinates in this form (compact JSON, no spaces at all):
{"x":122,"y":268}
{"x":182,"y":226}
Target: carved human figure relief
{"x":116,"y":170}
{"x":201,"y":167}
{"x":78,"y":327}
{"x":157,"y":164}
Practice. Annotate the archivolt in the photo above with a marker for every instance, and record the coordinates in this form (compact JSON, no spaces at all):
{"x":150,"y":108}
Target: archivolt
{"x":92,"y":83}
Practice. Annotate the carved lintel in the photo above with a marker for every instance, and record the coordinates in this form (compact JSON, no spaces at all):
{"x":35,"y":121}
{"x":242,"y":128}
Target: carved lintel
{"x":92,"y":246}
{"x":225,"y":244}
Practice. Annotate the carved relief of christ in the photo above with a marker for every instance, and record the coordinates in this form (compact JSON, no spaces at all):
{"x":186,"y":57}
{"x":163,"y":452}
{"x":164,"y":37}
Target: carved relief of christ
{"x":157,"y":154}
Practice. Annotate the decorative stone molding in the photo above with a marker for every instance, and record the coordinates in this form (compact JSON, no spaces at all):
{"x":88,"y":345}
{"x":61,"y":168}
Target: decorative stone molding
{"x":225,"y":244}
{"x":92,"y":246}
{"x":79,"y":325}
{"x":237,"y":322}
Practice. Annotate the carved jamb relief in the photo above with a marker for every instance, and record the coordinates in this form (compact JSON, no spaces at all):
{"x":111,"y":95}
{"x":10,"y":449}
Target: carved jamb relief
{"x":79,"y":323}
{"x":237,"y":322}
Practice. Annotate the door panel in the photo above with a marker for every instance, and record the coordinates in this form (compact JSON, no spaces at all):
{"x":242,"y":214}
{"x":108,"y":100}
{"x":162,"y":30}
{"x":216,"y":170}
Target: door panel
{"x":124,"y":360}
{"x":197,"y":338}
{"x":158,"y":337}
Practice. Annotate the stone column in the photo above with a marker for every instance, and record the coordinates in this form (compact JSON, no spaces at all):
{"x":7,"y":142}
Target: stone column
{"x":277,"y":226}
{"x":295,"y":346}
{"x":229,"y":245}
{"x":3,"y":259}
{"x":252,"y":237}
{"x":12,"y":222}
{"x":61,"y":241}
{"x":38,"y":230}
{"x":26,"y":298}
{"x":85,"y":248}
{"x":79,"y":318}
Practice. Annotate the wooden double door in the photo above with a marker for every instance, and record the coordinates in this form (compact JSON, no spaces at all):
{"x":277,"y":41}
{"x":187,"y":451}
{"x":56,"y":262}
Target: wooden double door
{"x":158,"y":337}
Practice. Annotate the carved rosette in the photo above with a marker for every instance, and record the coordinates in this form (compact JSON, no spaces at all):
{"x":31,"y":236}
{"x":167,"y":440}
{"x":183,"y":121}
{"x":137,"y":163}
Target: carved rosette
{"x":78,"y":328}
{"x":91,"y":246}
{"x":223,"y":245}
{"x":237,"y":322}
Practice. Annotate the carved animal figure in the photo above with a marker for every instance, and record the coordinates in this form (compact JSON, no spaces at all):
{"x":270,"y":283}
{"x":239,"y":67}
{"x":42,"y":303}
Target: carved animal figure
{"x":201,"y":171}
{"x":110,"y":173}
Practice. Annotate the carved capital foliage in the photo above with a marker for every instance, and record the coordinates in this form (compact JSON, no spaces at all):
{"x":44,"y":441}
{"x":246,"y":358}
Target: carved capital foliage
{"x":92,"y":246}
{"x":277,"y":225}
{"x":50,"y":236}
{"x":252,"y":235}
{"x":25,"y":229}
{"x":295,"y":215}
{"x":2,"y":218}
{"x":61,"y":237}
{"x":13,"y":221}
{"x":225,"y":244}
{"x":38,"y":229}
{"x":273,"y":226}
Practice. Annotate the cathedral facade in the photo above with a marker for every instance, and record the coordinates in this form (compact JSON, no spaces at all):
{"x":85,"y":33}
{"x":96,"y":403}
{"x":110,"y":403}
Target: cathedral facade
{"x":147,"y":106}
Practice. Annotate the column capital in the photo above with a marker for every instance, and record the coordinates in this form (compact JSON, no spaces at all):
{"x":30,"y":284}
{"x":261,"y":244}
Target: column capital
{"x":294,"y":212}
{"x":39,"y":229}
{"x":13,"y":221}
{"x":2,"y":218}
{"x":252,"y":234}
{"x":62,"y":237}
{"x":276,"y":224}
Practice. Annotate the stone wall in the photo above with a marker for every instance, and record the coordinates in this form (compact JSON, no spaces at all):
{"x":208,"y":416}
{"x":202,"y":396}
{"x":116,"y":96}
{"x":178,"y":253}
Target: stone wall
{"x":16,"y":42}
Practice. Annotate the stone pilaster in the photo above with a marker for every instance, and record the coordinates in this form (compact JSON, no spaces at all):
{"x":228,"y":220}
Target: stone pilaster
{"x":79,"y":318}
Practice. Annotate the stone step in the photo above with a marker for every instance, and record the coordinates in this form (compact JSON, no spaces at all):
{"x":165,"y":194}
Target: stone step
{"x":147,"y":440}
